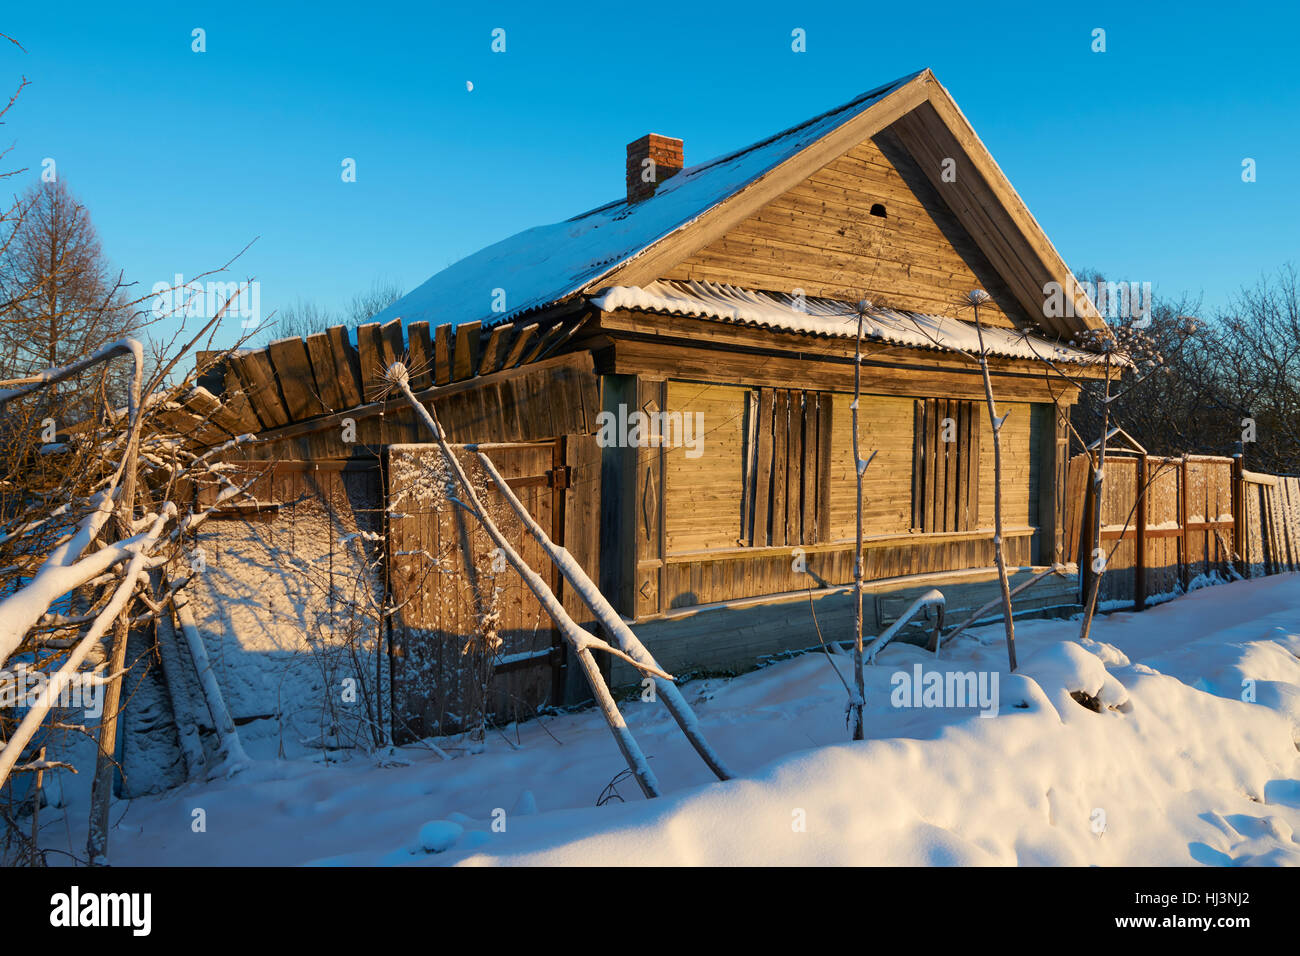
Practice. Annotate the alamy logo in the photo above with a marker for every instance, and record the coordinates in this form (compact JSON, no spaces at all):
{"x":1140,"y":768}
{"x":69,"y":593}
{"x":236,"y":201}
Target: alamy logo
{"x":22,"y":687}
{"x":1114,"y":300}
{"x":202,"y":300}
{"x":652,"y":430}
{"x":74,"y":908}
{"x":946,"y":689}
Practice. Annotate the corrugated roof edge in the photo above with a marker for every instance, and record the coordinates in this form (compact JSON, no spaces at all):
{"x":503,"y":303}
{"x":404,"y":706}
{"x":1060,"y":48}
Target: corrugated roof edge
{"x":818,"y":317}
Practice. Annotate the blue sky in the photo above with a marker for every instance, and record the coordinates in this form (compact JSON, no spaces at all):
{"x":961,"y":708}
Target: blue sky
{"x":1130,"y":159}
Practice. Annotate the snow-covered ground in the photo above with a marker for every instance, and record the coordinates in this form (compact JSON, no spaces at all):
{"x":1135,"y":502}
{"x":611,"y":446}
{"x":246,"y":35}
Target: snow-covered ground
{"x":1175,"y":769}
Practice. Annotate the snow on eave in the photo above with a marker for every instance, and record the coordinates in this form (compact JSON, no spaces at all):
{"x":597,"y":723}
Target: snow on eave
{"x":832,"y":318}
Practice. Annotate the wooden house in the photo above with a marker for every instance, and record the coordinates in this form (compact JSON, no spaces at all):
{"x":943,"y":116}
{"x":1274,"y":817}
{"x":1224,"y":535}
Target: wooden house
{"x":667,"y":380}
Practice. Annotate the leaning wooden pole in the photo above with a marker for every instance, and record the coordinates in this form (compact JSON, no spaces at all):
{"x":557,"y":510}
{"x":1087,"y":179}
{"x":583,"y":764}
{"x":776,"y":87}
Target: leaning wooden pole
{"x":609,"y":619}
{"x":581,"y":641}
{"x":230,"y":747}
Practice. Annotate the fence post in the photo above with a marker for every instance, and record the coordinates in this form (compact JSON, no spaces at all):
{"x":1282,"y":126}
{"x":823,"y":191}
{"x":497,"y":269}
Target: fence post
{"x":1184,"y":519}
{"x":1239,"y":511}
{"x":1140,"y":545}
{"x":1085,"y":533}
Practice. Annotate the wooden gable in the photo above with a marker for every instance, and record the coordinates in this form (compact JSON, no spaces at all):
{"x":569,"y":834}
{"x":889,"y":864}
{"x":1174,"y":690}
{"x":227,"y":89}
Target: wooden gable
{"x":915,"y":127}
{"x":826,"y":236}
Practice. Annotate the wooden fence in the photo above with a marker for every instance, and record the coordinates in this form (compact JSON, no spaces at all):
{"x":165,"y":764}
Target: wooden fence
{"x":1271,"y":513}
{"x":1169,"y":524}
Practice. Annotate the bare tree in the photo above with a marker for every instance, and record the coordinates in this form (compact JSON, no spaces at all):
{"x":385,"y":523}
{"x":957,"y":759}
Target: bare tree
{"x":977,"y":298}
{"x":304,"y":316}
{"x":61,"y":300}
{"x":857,"y":700}
{"x":1235,"y":374}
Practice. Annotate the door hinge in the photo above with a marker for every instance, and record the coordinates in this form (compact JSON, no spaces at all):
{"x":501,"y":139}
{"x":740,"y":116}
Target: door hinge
{"x":558,"y":477}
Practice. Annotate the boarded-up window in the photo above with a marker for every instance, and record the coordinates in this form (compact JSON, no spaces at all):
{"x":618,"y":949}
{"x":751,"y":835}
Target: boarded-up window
{"x":787,"y":468}
{"x":885,"y":431}
{"x":945,"y":465}
{"x":1021,"y":449}
{"x":702,"y":440}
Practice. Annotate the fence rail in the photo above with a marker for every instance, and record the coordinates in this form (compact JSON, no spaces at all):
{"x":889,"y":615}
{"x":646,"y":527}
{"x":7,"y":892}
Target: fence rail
{"x":1169,"y":524}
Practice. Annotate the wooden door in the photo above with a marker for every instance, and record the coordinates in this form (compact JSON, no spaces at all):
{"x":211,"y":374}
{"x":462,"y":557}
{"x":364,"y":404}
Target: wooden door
{"x":470,"y":642}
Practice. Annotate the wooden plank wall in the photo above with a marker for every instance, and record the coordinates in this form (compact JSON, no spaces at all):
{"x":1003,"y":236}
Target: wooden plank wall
{"x":1021,"y":449}
{"x":822,"y":237}
{"x":725,"y":576}
{"x":1052,"y":477}
{"x":443,"y":578}
{"x":885,"y":427}
{"x":945,"y":465}
{"x":580,"y":511}
{"x":768,"y":506}
{"x":787,"y":468}
{"x":648,"y":507}
{"x":554,"y":397}
{"x":705,"y":485}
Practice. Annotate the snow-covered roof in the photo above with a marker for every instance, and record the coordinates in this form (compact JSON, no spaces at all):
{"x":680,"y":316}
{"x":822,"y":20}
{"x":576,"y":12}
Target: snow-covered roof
{"x":831,"y":318}
{"x":546,"y":264}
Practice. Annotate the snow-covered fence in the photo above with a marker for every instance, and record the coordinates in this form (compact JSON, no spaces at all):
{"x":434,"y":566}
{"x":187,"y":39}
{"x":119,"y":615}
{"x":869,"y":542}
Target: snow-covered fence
{"x":1172,"y":523}
{"x":1270,"y":523}
{"x":1166,"y":524}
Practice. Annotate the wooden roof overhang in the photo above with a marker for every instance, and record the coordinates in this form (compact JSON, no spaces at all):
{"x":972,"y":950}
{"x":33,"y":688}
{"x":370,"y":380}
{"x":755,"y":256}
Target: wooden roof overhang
{"x":295,"y":387}
{"x":628,"y":341}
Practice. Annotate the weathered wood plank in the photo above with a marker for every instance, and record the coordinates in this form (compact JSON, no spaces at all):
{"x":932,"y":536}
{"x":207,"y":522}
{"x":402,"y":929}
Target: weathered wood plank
{"x":808,"y":470}
{"x":465,"y":359}
{"x":543,"y":343}
{"x":933,"y":474}
{"x":709,"y":364}
{"x":371,"y":353}
{"x":918,"y":465}
{"x":392,"y":343}
{"x":206,"y":406}
{"x":322,"y":366}
{"x":951,"y":411}
{"x":347,"y":366}
{"x":420,"y":355}
{"x":258,"y":379}
{"x":297,"y":383}
{"x":780,"y":464}
{"x":236,"y":401}
{"x":763,"y":470}
{"x":442,"y":355}
{"x":825,"y":433}
{"x":520,"y":343}
{"x":492,"y":352}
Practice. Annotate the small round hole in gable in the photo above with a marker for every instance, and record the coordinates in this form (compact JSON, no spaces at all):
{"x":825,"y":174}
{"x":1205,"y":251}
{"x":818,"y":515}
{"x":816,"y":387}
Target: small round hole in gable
{"x":878,"y":209}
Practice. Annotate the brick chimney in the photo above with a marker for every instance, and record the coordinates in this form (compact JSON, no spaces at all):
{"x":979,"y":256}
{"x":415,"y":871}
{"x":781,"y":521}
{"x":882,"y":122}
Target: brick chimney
{"x":651,"y":160}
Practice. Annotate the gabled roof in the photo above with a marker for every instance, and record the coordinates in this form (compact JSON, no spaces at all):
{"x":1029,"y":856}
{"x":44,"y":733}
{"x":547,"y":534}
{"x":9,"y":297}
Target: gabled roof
{"x":634,"y":244}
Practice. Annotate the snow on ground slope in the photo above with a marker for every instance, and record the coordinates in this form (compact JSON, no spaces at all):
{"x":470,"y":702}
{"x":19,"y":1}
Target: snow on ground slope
{"x":1167,"y":765}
